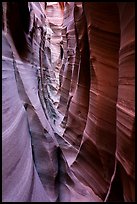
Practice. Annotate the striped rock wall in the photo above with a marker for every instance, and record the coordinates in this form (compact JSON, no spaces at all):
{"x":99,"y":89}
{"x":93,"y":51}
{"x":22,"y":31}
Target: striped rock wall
{"x":29,"y":149}
{"x":68,"y":130}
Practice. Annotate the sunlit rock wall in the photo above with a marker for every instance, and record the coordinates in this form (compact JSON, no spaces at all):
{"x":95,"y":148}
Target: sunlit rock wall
{"x":54,"y":16}
{"x":30,"y":165}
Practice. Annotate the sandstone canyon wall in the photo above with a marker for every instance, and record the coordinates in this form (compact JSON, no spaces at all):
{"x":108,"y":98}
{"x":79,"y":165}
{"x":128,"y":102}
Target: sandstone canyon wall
{"x":68,"y":102}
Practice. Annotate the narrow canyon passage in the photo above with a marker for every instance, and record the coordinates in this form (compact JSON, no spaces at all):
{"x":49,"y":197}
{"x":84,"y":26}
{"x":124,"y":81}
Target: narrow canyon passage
{"x":68,"y":102}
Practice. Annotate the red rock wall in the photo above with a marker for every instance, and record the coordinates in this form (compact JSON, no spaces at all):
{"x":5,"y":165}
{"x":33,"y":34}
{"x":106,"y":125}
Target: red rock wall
{"x":125,"y":148}
{"x":69,"y":126}
{"x":104,"y":129}
{"x":100,"y":130}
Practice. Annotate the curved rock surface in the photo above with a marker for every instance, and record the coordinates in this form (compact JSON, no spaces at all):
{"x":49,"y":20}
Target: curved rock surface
{"x":68,"y":102}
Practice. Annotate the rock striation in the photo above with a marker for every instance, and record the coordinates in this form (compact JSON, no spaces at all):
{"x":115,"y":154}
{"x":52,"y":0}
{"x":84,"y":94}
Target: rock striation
{"x":68,"y":102}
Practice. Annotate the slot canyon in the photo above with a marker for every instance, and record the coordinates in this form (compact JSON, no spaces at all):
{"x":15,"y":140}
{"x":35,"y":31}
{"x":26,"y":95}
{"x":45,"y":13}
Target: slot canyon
{"x":68,"y":101}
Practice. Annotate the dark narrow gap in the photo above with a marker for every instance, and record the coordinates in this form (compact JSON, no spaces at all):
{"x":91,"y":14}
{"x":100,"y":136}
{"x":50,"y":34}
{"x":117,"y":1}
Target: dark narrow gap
{"x":18,"y":20}
{"x":116,"y":192}
{"x":57,"y":180}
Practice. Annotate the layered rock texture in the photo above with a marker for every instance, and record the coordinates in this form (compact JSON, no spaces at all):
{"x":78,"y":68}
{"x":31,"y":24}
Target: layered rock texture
{"x":68,"y":102}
